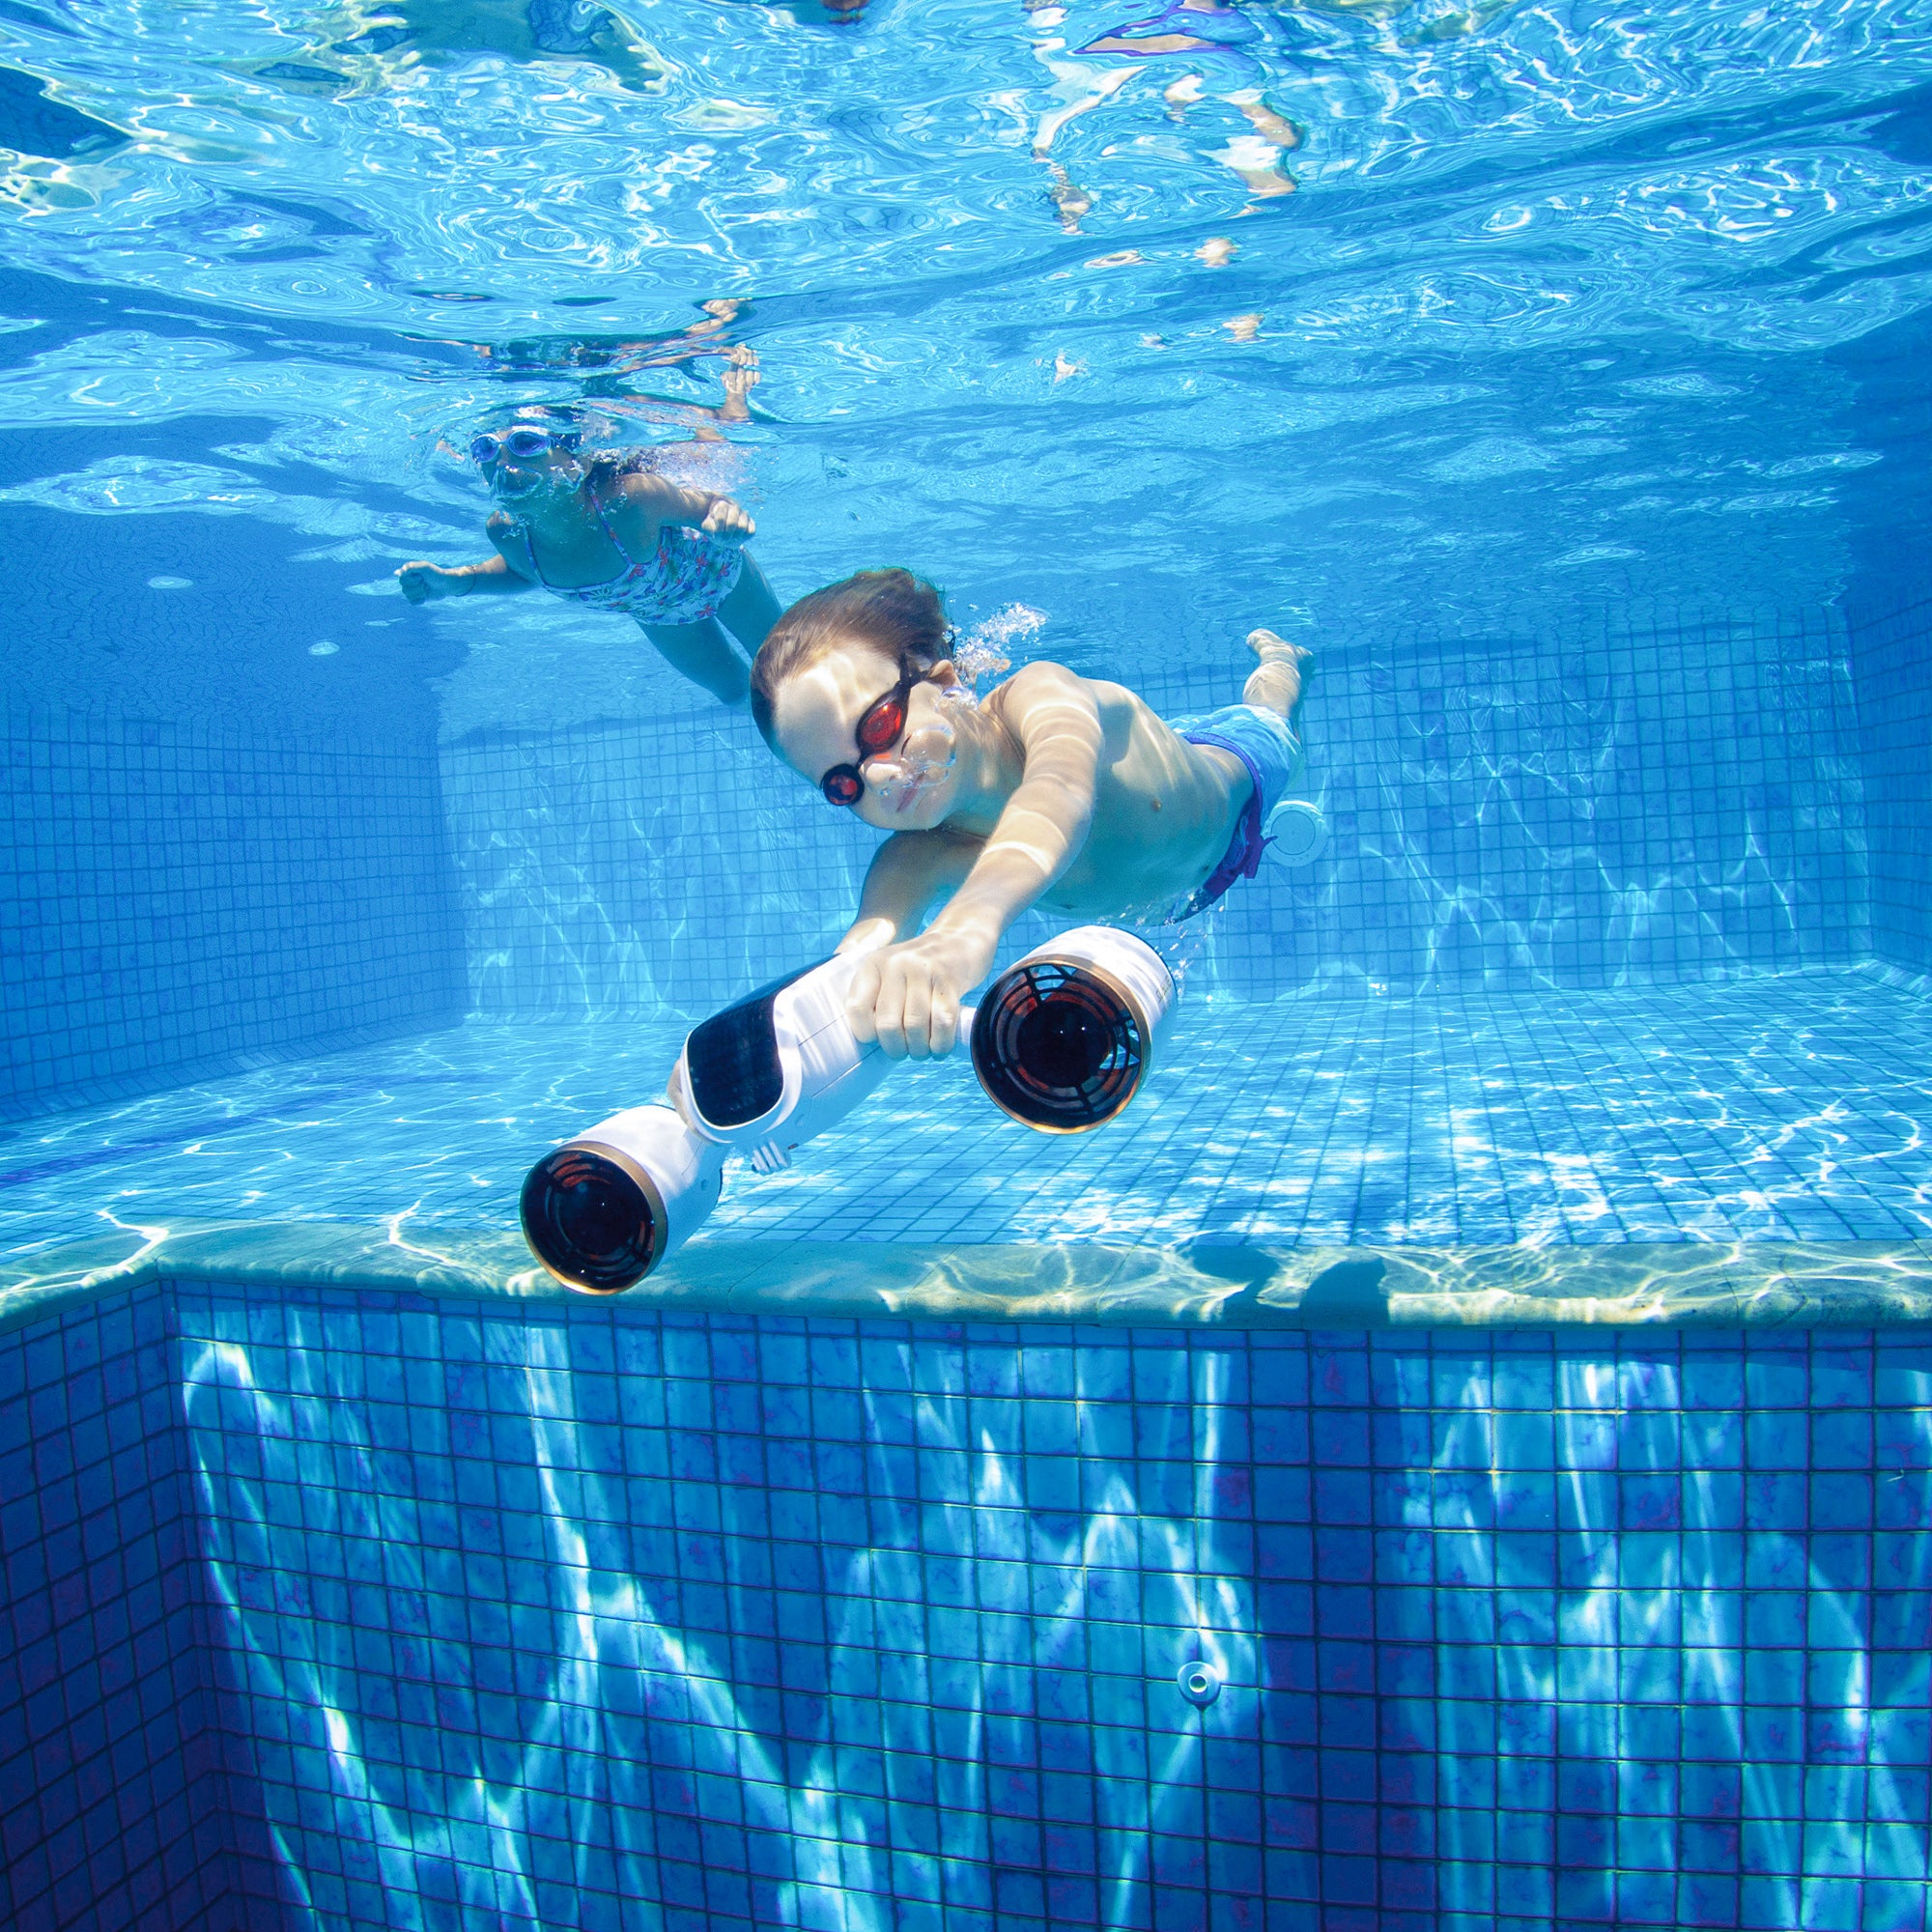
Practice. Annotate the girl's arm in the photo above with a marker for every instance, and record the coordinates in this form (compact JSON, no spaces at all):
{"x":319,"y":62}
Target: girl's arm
{"x":422,"y":582}
{"x":654,"y":499}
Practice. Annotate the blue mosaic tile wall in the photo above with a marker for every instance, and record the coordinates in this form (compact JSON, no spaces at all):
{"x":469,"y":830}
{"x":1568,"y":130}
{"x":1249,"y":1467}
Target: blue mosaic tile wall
{"x":112,"y":1795}
{"x":1671,"y":804}
{"x":1893,"y":655}
{"x":183,"y":897}
{"x":593,"y":1617}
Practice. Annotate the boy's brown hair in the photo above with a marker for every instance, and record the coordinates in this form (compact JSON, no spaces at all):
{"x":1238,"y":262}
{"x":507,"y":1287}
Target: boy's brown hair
{"x":897,"y":613}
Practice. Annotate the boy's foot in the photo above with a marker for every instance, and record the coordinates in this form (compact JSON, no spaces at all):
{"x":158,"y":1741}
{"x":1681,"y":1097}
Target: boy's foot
{"x":1275,"y":683}
{"x":1271,"y":647}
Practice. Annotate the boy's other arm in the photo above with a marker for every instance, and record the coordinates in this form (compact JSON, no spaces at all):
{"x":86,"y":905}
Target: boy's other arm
{"x":908,"y":873}
{"x":422,"y":582}
{"x":908,"y":996}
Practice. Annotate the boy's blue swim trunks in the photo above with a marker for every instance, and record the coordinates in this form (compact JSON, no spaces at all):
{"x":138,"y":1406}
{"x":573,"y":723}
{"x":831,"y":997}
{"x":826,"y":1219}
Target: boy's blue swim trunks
{"x":1262,"y":741}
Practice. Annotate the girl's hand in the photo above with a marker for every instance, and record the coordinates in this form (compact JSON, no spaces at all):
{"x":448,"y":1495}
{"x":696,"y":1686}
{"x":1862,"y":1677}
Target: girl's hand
{"x":423,"y":582}
{"x":740,"y":379}
{"x":907,"y":997}
{"x":728,"y":522}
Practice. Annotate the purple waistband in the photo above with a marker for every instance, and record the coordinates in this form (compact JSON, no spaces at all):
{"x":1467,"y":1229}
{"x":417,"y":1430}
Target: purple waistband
{"x":1243,"y":857}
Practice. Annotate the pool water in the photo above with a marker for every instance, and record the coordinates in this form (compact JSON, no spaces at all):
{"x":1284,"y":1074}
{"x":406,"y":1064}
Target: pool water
{"x":1453,"y":1455}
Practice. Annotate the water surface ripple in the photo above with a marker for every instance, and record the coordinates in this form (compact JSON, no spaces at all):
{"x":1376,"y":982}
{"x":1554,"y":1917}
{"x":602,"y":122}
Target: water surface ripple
{"x":1387,"y":309}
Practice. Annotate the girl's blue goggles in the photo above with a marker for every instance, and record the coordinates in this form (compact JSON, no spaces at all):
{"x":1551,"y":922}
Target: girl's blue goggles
{"x":521,"y":445}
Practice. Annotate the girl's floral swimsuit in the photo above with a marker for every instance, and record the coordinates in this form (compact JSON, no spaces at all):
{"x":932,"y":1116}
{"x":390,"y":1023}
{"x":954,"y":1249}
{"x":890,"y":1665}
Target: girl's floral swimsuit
{"x":683,"y":581}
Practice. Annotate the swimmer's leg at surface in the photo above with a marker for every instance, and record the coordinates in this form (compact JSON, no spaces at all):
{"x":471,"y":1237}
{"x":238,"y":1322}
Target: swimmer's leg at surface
{"x":703,"y":653}
{"x":1276,"y":683}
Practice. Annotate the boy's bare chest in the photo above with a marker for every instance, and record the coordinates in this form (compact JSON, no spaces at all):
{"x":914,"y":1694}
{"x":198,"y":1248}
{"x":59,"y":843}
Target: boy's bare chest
{"x":1160,"y":827}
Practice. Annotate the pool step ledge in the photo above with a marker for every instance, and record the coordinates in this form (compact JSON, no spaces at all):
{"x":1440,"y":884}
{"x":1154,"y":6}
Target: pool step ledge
{"x":1702,"y":1284}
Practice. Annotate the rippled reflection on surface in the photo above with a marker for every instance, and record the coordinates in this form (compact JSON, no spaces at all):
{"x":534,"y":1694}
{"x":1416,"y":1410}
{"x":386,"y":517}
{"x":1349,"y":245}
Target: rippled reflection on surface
{"x":1473,"y":319}
{"x":1355,"y":305}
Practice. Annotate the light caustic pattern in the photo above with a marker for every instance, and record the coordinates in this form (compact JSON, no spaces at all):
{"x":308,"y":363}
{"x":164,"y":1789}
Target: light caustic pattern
{"x":1712,"y":1113}
{"x":1372,"y":310}
{"x":796,"y":1627}
{"x":628,"y":1725}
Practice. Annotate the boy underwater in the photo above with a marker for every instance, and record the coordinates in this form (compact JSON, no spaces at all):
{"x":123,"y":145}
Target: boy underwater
{"x":1055,"y":790}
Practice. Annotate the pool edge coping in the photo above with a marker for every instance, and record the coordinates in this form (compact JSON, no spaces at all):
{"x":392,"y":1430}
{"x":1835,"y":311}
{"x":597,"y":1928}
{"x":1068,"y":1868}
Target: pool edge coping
{"x":1620,"y":1285}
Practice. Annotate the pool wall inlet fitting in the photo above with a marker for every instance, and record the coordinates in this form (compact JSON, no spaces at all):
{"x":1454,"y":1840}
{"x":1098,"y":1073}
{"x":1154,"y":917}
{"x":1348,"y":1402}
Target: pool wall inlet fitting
{"x":1064,"y":1038}
{"x":1199,"y":1682}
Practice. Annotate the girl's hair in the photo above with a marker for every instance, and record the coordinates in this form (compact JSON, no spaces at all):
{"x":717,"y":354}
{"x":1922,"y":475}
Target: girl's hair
{"x":897,"y":613}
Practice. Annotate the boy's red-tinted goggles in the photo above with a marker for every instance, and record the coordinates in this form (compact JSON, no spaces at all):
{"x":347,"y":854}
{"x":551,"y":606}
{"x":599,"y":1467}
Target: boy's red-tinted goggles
{"x":881,"y":725}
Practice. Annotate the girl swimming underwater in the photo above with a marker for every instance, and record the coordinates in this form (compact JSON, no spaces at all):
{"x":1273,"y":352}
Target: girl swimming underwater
{"x":607,"y":531}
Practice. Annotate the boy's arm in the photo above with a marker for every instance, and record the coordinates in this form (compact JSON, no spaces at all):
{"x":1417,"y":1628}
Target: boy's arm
{"x":908,"y":995}
{"x":908,"y":873}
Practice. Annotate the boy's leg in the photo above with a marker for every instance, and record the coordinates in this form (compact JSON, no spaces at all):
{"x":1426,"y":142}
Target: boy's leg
{"x":1276,"y":683}
{"x":703,"y":653}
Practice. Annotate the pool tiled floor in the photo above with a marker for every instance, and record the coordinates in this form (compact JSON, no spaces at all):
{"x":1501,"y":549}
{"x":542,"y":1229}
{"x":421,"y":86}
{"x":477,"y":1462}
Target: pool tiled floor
{"x":1772,"y":1110}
